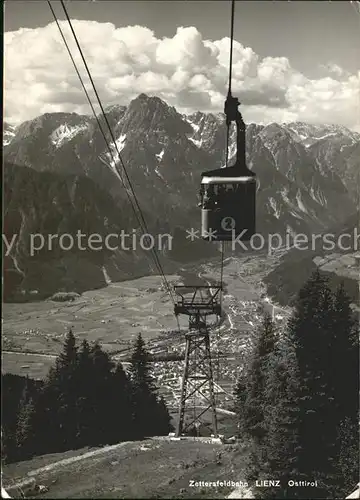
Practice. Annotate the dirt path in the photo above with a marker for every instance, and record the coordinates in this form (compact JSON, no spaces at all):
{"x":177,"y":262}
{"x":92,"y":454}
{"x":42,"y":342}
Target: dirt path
{"x":37,"y":354}
{"x":70,"y":460}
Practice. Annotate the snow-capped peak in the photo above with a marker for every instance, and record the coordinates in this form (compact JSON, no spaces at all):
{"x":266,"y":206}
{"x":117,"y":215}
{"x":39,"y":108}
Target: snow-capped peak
{"x":65,"y":133}
{"x":308,"y":134}
{"x":8,"y":134}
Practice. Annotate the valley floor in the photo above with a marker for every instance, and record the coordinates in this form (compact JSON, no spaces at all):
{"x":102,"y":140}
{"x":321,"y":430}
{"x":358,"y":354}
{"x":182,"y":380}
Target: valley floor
{"x":33,"y":333}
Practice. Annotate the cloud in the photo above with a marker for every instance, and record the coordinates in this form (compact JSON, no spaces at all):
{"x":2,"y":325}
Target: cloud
{"x":335,"y":70}
{"x":185,"y":70}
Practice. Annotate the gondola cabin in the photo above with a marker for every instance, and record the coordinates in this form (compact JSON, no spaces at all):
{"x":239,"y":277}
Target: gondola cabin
{"x":228,"y":204}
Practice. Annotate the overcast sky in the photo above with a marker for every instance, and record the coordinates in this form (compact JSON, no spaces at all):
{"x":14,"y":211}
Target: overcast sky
{"x":292,"y":60}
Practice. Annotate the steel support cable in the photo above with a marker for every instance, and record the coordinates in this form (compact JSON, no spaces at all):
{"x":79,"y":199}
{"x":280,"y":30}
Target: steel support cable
{"x":232,"y":19}
{"x":230,"y":74}
{"x":115,"y":145}
{"x":195,"y":366}
{"x":228,"y":124}
{"x":107,"y":145}
{"x":95,"y":115}
{"x":143,"y":223}
{"x":80,"y":78}
{"x":231,"y":43}
{"x":221,"y":301}
{"x":88,"y":99}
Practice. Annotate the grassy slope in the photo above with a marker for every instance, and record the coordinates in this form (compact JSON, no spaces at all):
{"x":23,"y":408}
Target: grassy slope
{"x":147,"y":469}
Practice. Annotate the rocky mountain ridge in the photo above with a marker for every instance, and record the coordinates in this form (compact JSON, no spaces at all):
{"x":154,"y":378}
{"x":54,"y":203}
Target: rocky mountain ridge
{"x":308,"y":176}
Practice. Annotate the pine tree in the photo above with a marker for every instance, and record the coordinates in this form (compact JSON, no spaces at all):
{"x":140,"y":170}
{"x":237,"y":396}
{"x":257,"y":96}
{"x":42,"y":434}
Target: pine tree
{"x":252,"y":399}
{"x":68,"y":357}
{"x":279,"y":449}
{"x":24,"y":436}
{"x":150,"y":415}
{"x":121,"y":418}
{"x":239,"y":406}
{"x":162,"y":419}
{"x":66,"y":370}
{"x":102,"y":394}
{"x":142,"y":389}
{"x":256,"y":377}
{"x":140,"y":369}
{"x":85,"y":399}
{"x":310,"y":330}
{"x":16,"y":393}
{"x":4,"y":446}
{"x":57,"y":418}
{"x":345,"y":357}
{"x":348,"y":457}
{"x":344,"y":378}
{"x":307,"y":387}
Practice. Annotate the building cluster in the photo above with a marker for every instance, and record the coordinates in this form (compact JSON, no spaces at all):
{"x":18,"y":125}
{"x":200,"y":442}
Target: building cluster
{"x":231,"y":343}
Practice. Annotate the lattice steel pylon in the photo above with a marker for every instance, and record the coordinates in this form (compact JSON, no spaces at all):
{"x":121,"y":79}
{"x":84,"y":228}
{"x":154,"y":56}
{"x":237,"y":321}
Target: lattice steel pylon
{"x":197,"y":302}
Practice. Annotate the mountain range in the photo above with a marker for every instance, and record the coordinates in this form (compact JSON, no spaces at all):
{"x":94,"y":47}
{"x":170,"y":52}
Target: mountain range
{"x":60,"y":176}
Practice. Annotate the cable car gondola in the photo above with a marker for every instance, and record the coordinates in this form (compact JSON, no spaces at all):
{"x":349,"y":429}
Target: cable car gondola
{"x":228,"y":195}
